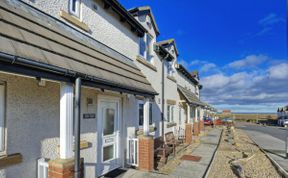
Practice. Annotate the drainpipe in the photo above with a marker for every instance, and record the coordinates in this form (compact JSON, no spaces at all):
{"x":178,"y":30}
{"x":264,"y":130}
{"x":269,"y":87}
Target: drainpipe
{"x":163,"y":99}
{"x":77,"y":117}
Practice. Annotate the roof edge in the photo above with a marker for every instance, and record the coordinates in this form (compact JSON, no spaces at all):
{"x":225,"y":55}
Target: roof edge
{"x":169,"y":41}
{"x":134,"y":11}
{"x":184,"y":71}
{"x":125,"y":15}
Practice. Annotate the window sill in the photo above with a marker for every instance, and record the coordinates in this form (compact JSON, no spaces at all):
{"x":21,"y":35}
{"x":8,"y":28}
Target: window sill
{"x":144,"y":62}
{"x":74,"y":21}
{"x":172,"y":78}
{"x":171,"y":102}
{"x":171,"y":124}
{"x":84,"y":144}
{"x":10,"y":160}
{"x":139,"y":131}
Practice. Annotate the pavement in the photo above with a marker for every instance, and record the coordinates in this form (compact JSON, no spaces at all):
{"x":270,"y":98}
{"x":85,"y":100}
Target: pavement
{"x":187,"y":169}
{"x":271,"y":139}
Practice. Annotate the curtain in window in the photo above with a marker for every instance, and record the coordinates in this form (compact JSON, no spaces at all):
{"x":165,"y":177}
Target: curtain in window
{"x":142,"y":47}
{"x":150,"y":114}
{"x":2,"y":117}
{"x":148,"y":47}
{"x":141,"y":113}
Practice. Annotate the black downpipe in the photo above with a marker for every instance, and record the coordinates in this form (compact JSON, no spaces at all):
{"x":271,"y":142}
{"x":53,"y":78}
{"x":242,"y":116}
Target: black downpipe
{"x":163,"y":99}
{"x":77,"y":109}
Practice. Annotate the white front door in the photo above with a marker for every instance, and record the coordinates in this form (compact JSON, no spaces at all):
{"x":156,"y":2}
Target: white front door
{"x":108,"y":129}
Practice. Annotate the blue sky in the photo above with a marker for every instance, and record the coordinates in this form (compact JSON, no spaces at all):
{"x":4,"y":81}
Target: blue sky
{"x":239,"y":47}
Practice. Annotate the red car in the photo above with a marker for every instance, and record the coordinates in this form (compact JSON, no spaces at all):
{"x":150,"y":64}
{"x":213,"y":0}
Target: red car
{"x":208,"y":121}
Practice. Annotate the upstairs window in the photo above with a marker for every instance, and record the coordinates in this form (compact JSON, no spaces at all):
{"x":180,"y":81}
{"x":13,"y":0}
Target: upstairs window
{"x":180,"y":115}
{"x":74,"y":8}
{"x":141,"y":113}
{"x":146,"y":47}
{"x":170,"y":68}
{"x":143,"y":46}
{"x":170,"y":113}
{"x":196,"y":90}
{"x":2,"y":120}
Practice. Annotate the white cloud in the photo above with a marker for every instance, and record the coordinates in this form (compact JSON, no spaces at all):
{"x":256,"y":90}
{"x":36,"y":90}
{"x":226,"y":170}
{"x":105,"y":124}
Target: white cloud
{"x":215,"y":81}
{"x":207,"y":67}
{"x":248,"y":61}
{"x":184,"y":63}
{"x":259,"y":87}
{"x":279,"y":71}
{"x":270,"y":19}
{"x":197,"y":62}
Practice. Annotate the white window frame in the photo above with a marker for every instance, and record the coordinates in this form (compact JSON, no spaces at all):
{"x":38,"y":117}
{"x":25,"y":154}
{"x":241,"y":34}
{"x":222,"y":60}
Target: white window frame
{"x":148,"y":48}
{"x":150,"y":113}
{"x":170,"y":113}
{"x":77,"y":11}
{"x":170,"y":68}
{"x":180,"y":115}
{"x":3,"y":135}
{"x":142,"y":40}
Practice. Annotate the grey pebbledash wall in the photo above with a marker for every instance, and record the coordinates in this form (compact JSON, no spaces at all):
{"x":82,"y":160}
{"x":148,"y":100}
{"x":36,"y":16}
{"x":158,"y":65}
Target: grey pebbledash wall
{"x":105,"y":26}
{"x":32,"y":121}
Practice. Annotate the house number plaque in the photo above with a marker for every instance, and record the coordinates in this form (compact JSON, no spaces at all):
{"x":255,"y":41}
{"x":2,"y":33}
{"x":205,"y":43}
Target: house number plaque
{"x":89,"y":116}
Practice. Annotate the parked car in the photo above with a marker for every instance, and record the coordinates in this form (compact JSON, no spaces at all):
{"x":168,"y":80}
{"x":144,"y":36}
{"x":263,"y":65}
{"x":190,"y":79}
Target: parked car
{"x":228,"y":120}
{"x":208,"y":121}
{"x":286,"y":123}
{"x":283,"y":122}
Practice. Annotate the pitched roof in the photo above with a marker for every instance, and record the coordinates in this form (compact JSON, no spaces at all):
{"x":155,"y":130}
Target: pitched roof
{"x":125,"y":16}
{"x":30,"y":34}
{"x":168,"y":42}
{"x":138,"y":11}
{"x":184,"y":71}
{"x":163,"y":52}
{"x":189,"y":96}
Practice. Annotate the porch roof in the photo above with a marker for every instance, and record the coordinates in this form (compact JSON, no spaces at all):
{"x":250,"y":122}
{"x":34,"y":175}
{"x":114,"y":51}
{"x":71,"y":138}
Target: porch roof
{"x":189,"y":96}
{"x":44,"y":42}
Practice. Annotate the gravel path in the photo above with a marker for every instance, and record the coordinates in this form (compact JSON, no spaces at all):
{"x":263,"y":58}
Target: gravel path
{"x":255,"y":163}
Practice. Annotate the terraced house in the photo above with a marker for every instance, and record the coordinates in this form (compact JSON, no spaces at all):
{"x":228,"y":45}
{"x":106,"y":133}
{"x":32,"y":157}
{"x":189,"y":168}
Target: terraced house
{"x":86,"y":88}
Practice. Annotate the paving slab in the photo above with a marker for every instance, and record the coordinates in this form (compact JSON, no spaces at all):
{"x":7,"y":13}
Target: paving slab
{"x":187,"y":169}
{"x":206,"y":149}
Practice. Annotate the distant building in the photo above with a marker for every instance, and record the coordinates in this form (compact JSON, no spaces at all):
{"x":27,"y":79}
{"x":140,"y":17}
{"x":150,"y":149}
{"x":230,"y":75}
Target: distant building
{"x":282,"y":112}
{"x":226,"y":111}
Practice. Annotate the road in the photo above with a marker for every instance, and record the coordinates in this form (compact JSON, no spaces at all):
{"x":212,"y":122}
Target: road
{"x":277,"y":132}
{"x":271,"y":139}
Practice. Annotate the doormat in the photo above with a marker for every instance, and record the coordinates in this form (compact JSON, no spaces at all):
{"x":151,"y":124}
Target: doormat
{"x":191,"y":158}
{"x":115,"y":173}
